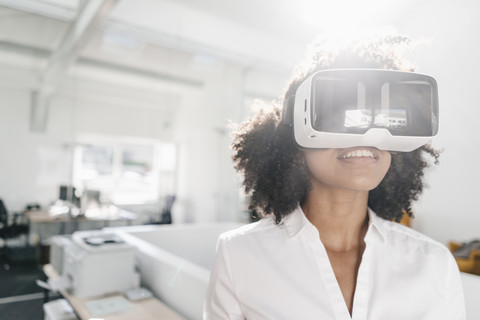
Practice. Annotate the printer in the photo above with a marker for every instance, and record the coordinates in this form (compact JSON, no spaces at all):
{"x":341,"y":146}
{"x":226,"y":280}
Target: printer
{"x":96,"y":263}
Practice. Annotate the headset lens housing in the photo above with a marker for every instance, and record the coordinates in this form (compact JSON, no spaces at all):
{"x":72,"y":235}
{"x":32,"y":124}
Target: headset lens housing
{"x":356,"y":101}
{"x":390,"y":110}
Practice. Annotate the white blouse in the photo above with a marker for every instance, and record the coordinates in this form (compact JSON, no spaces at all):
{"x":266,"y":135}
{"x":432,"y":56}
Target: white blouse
{"x":268,"y":271}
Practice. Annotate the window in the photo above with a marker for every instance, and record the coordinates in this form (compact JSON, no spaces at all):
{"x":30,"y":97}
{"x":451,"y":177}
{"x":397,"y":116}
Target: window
{"x":126,"y":172}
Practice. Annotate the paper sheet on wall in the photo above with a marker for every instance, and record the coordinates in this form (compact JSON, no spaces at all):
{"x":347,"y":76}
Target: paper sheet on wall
{"x":52,"y":165}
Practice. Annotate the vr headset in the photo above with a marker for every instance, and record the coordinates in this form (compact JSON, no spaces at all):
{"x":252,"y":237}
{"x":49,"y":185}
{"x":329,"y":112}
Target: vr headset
{"x":342,"y":108}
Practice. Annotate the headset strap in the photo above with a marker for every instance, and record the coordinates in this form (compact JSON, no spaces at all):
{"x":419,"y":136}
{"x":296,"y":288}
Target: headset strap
{"x":287,"y":113}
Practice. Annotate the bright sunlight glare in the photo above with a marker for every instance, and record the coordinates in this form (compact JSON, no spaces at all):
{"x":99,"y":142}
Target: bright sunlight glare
{"x":347,"y":18}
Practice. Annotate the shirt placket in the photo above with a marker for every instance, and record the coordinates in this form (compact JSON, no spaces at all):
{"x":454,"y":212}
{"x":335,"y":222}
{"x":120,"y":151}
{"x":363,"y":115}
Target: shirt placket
{"x":328,"y":277}
{"x":360,"y":299}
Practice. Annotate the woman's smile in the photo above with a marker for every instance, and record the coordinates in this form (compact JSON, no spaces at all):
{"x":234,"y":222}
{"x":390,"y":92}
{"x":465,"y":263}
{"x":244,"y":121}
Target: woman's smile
{"x":357,"y":168}
{"x":358,"y":155}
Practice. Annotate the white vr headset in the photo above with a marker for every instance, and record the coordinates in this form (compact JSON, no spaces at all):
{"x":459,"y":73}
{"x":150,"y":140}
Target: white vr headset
{"x":342,"y":108}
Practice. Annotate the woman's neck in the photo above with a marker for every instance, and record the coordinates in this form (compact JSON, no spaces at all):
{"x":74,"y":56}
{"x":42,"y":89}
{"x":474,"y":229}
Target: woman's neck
{"x":339,"y":215}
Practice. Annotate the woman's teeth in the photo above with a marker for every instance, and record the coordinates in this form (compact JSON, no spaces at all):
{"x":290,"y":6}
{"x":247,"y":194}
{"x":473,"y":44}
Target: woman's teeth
{"x":358,"y":154}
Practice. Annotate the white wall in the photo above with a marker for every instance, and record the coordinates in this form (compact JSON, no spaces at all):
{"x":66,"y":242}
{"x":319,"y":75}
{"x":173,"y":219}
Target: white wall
{"x":31,"y":165}
{"x":209,"y":186}
{"x":448,"y":210}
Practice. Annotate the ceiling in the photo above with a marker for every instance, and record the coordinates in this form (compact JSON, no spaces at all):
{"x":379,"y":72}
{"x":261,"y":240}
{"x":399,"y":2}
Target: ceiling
{"x":269,"y":34}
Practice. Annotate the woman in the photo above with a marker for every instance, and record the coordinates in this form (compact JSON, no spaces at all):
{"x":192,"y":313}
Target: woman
{"x":326,"y":246}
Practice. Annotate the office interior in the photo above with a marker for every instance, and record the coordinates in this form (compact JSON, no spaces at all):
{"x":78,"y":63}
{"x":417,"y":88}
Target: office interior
{"x":116,"y":118}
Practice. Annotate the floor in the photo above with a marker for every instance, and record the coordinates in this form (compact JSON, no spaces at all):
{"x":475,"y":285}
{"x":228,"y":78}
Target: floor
{"x":20,"y":297}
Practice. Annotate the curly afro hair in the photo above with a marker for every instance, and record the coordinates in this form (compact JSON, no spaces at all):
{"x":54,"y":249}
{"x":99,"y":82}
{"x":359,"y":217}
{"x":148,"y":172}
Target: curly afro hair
{"x":273,"y":168}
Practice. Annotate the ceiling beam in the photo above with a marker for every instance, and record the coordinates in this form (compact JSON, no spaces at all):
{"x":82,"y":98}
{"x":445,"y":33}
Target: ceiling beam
{"x":106,"y":66}
{"x":90,"y":16}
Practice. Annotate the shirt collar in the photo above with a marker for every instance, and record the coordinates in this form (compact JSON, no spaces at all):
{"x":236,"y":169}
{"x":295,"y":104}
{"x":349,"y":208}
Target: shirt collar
{"x":296,"y":221}
{"x":376,"y":226}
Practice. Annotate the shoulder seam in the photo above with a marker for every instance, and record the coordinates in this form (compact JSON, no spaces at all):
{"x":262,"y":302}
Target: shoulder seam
{"x":414,"y":234}
{"x":255,"y":229}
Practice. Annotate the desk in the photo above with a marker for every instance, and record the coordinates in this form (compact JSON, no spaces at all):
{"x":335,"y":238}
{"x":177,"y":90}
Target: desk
{"x":44,"y":225}
{"x":147,"y":309}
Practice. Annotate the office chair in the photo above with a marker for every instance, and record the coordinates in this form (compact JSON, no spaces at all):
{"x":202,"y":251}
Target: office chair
{"x":166,"y":217}
{"x":467,"y":256}
{"x":166,"y":213}
{"x":9,"y":230}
